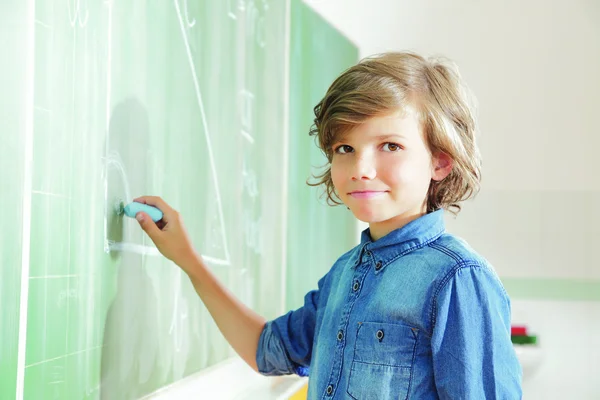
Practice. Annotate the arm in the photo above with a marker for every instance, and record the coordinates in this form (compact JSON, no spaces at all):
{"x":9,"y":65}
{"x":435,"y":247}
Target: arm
{"x":240,"y":325}
{"x":473,"y":357}
{"x":285,"y":345}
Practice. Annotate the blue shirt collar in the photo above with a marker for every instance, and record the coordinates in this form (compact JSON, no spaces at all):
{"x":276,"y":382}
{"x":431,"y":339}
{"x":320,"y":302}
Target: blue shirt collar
{"x":415,"y":234}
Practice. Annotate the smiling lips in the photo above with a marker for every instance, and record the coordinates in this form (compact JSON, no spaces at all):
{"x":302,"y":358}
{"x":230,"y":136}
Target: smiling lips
{"x":366,"y":194}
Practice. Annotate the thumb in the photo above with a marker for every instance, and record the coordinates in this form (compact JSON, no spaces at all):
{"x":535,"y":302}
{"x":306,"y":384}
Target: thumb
{"x":148,"y":225}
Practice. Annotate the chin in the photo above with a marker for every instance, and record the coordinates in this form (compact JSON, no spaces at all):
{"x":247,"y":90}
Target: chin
{"x":368,"y":216}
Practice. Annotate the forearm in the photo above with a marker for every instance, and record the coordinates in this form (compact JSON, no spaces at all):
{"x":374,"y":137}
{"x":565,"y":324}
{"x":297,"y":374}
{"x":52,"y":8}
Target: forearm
{"x":240,"y":325}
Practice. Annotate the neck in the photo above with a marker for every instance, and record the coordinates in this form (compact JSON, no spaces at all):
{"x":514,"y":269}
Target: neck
{"x":382,"y":228}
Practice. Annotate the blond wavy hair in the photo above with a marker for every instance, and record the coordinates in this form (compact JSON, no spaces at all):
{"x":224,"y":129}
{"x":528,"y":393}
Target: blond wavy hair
{"x":389,"y":82}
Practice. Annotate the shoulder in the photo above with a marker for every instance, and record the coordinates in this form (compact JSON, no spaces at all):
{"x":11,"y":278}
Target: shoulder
{"x":442,"y":258}
{"x":456,"y":250}
{"x":463,"y":273}
{"x":455,"y":255}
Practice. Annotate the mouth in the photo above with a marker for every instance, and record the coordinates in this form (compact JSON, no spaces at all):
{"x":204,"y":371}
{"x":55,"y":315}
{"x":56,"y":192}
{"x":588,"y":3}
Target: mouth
{"x":366,"y":194}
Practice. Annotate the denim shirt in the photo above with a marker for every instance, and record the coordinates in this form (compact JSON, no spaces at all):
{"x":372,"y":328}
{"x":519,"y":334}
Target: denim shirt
{"x":417,"y":314}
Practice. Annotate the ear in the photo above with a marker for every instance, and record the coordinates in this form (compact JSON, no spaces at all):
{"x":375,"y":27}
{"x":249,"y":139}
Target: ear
{"x":442,"y":166}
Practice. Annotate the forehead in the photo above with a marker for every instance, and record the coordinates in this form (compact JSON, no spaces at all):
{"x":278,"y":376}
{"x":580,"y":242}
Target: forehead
{"x":403,"y":123}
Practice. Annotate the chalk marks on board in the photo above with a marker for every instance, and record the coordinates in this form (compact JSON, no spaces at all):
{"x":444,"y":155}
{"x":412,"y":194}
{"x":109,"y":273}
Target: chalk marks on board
{"x":189,"y":23}
{"x":249,"y":16}
{"x":75,"y":13}
{"x":180,"y":315}
{"x":211,"y":157}
{"x":249,"y":181}
{"x":254,"y":17}
{"x":230,"y":9}
{"x":66,"y":295}
{"x":56,"y":380}
{"x":246,"y":113}
{"x":253,"y":27}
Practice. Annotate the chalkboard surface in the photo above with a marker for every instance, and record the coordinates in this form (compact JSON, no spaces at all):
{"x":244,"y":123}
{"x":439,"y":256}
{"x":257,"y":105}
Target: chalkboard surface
{"x":192,"y":101}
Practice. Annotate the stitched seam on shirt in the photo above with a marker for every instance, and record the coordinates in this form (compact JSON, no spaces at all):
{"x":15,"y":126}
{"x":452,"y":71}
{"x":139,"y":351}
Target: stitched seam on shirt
{"x":446,"y":251}
{"x":457,"y":258}
{"x":337,"y":382}
{"x":418,"y":246}
{"x":460,"y":265}
{"x":412,"y":370}
{"x":383,"y":365}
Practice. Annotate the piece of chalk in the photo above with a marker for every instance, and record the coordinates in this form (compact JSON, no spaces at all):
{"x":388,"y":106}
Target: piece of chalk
{"x":132,"y":209}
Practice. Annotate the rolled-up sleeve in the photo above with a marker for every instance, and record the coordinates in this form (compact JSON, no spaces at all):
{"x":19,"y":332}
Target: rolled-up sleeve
{"x":285,"y":344}
{"x":473,"y":357}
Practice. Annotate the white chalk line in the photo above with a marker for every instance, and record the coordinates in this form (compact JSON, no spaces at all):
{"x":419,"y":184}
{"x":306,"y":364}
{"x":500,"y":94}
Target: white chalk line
{"x":247,"y":136}
{"x":64,"y":356}
{"x":54,"y":276}
{"x":27,"y":195}
{"x":153,"y":251}
{"x":206,"y":132}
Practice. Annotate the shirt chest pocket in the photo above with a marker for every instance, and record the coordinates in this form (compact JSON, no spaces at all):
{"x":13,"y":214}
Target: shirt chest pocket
{"x":383,"y":361}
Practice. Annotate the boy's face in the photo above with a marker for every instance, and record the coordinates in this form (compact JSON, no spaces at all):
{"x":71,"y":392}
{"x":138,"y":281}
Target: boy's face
{"x":382,"y":168}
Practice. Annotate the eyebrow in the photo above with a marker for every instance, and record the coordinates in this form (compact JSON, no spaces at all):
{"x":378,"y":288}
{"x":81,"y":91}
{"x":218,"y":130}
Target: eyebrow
{"x":389,"y":136}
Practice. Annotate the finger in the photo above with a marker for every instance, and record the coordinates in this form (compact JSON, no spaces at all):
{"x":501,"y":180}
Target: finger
{"x":148,"y":225}
{"x":156,"y":202}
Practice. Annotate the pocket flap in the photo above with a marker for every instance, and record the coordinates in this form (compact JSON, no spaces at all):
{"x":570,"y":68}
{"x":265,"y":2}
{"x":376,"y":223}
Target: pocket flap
{"x":385,"y":344}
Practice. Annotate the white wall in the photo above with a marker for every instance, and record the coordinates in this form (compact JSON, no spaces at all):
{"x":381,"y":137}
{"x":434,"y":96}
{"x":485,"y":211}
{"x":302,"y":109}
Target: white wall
{"x":534,"y":67}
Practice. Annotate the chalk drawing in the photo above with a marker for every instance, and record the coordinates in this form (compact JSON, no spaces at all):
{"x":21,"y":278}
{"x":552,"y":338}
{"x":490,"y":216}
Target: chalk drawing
{"x":56,"y":378}
{"x":255,"y":30}
{"x":180,"y":314}
{"x":90,"y":391}
{"x":206,"y":134}
{"x":246,"y":112}
{"x":252,"y":232}
{"x":187,"y":18}
{"x":112,"y":160}
{"x":64,"y":356}
{"x":28,"y":100}
{"x":249,"y":181}
{"x":37,"y":21}
{"x":65,"y":295}
{"x":230,"y":12}
{"x":75,"y":15}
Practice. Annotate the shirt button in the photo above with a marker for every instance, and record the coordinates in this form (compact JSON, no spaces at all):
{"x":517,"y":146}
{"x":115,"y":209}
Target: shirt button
{"x":329,"y":389}
{"x":340,"y":335}
{"x":355,"y":286}
{"x":378,"y":266}
{"x":379,"y":335}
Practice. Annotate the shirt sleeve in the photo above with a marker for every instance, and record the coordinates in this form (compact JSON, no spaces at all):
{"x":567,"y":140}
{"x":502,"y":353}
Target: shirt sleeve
{"x":473,"y":357}
{"x":285,"y":344}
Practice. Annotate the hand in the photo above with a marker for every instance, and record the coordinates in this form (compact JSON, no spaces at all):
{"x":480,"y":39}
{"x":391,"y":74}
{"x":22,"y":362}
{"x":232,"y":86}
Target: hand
{"x":168,"y":234}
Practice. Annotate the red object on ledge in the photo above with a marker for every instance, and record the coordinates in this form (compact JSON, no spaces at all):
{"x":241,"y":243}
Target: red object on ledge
{"x":518,"y":330}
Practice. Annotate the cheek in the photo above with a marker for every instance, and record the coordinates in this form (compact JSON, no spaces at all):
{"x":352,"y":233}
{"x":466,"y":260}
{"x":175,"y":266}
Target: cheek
{"x":406,"y":173}
{"x":397,"y":172}
{"x":336,"y":174}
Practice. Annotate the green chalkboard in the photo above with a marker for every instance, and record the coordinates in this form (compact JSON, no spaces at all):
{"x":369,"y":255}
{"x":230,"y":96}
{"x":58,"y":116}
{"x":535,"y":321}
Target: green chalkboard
{"x":104,"y":101}
{"x":318,"y":233}
{"x":13,"y":99}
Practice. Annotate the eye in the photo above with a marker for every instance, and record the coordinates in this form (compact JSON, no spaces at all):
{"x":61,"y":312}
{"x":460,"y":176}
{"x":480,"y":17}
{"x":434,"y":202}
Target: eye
{"x":391,"y":147}
{"x":343,"y":149}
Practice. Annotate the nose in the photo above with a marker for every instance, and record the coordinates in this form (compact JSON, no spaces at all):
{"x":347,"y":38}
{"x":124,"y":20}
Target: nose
{"x":364,"y":168}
